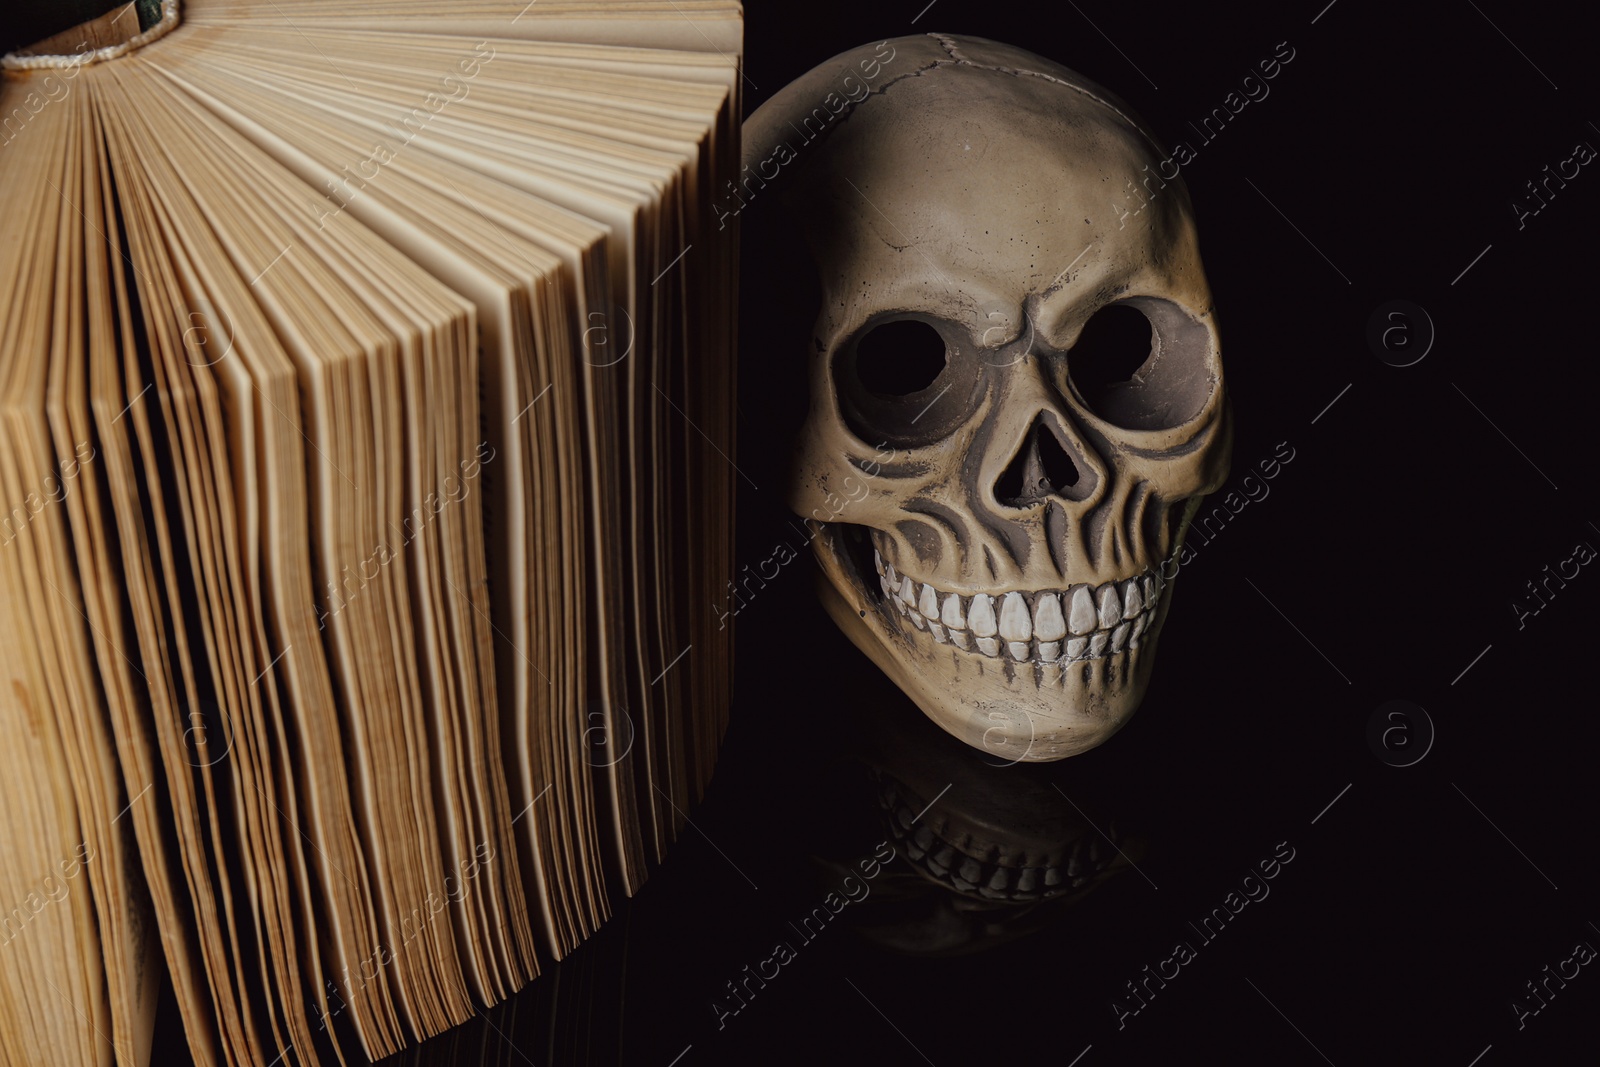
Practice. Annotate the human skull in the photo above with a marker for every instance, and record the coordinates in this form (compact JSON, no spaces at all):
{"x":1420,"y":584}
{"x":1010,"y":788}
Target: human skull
{"x":999,"y":471}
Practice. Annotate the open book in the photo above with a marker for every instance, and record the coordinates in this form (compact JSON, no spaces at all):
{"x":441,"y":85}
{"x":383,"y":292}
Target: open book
{"x":366,"y":392}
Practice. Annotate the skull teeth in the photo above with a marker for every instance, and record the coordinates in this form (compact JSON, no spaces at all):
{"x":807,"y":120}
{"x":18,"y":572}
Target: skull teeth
{"x":994,"y":870}
{"x":1048,"y":625}
{"x":951,"y":616}
{"x":1132,"y":599}
{"x":1110,"y":606}
{"x":981,"y":616}
{"x":1015,"y":626}
{"x":1083,"y":617}
{"x":1048,"y":628}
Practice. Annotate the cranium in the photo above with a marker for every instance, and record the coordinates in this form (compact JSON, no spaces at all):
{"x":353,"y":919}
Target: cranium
{"x":1016,"y":394}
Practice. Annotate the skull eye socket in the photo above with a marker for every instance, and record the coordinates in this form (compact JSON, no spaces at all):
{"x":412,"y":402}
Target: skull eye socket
{"x":898,"y":378}
{"x":899,"y":357}
{"x":1142,"y":364}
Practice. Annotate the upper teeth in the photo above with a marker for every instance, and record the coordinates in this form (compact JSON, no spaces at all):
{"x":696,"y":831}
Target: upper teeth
{"x":1046,"y":626}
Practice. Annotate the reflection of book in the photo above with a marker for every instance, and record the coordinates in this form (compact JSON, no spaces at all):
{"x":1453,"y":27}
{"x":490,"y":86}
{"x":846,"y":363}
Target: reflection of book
{"x":366,"y":385}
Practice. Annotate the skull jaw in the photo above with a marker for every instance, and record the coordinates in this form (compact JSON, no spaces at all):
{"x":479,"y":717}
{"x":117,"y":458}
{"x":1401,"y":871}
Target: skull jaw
{"x":1015,"y":712}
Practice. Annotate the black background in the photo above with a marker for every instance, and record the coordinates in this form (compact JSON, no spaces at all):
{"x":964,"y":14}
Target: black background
{"x":1383,"y":565}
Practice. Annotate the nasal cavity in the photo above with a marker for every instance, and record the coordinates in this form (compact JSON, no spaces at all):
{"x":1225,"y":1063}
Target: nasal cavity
{"x":1042,"y":468}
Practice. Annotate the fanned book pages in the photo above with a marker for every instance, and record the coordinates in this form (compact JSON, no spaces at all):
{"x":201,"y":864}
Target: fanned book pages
{"x":367,"y":395}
